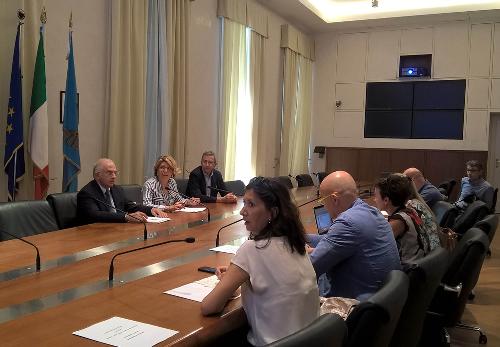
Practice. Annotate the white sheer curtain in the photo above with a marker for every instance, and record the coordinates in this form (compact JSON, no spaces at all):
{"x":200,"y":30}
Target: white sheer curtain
{"x":289,"y":109}
{"x":157,"y":123}
{"x":233,"y":83}
{"x":258,"y":153}
{"x":124,"y":134}
{"x":296,"y":113}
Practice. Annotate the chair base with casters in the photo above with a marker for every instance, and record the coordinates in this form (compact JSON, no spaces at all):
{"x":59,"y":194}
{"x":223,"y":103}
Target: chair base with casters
{"x":451,"y":297}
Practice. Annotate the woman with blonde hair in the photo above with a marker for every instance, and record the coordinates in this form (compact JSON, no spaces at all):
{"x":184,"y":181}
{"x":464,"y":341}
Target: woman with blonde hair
{"x":161,"y":190}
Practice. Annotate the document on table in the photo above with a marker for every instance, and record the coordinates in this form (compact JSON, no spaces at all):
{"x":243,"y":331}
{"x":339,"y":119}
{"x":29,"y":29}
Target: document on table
{"x":119,"y":331}
{"x":226,"y":249}
{"x":192,"y":209}
{"x":157,"y":219}
{"x":196,"y":290}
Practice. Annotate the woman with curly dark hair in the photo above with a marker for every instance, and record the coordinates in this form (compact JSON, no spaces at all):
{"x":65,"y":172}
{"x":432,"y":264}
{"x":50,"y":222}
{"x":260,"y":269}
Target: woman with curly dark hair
{"x":278,"y":283}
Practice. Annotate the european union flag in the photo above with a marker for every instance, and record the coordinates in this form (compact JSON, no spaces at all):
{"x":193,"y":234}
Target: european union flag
{"x":14,"y":144}
{"x":71,"y":152}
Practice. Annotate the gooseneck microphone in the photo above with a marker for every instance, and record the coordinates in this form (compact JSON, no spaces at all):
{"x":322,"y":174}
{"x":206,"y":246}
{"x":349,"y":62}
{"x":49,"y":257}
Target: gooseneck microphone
{"x":308,"y":202}
{"x":225,"y":226}
{"x":126,"y":213}
{"x":112,"y":268}
{"x":188,"y":197}
{"x":29,"y":243}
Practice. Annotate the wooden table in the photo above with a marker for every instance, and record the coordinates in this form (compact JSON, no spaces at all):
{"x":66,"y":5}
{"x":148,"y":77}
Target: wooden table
{"x":55,"y":294}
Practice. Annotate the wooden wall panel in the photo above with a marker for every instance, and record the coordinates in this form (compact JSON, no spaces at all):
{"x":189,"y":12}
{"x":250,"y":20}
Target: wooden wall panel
{"x":366,"y":164}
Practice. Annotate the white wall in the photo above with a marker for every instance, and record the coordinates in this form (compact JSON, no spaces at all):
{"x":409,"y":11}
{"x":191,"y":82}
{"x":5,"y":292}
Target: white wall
{"x":90,"y":48}
{"x":345,"y":61}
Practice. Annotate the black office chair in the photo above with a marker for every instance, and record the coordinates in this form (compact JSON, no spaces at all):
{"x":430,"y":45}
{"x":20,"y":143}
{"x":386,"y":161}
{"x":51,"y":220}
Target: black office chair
{"x":182,"y":184}
{"x":447,"y":187}
{"x":489,"y":225}
{"x":451,"y":297}
{"x":445,"y":213}
{"x":133,"y":192}
{"x":64,"y":207}
{"x":494,"y":202}
{"x":321,"y":176}
{"x":425,"y":276}
{"x":285,"y":180}
{"x":327,"y":330}
{"x":237,"y":187}
{"x":476,"y":211}
{"x":26,"y":218}
{"x":372,"y":322}
{"x":304,"y":180}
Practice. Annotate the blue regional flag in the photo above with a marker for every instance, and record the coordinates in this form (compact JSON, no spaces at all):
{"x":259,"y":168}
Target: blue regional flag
{"x":71,"y":152}
{"x":14,"y":144}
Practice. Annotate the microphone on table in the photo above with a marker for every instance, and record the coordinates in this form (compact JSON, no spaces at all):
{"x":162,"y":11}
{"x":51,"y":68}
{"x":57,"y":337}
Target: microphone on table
{"x":29,"y":243}
{"x":112,"y":268}
{"x":308,"y":202}
{"x":126,"y":213}
{"x":188,"y":197}
{"x":225,"y":226}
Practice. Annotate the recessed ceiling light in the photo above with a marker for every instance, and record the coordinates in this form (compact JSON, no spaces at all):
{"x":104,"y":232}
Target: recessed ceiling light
{"x":349,"y":10}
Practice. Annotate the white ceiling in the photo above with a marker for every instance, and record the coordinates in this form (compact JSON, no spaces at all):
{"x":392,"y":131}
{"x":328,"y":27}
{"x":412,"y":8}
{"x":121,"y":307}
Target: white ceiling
{"x":308,"y":21}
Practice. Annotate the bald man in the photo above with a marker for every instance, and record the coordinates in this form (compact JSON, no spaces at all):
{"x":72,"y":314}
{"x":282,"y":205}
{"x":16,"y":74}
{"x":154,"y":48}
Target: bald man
{"x":103,"y":188}
{"x":429,"y":193}
{"x":359,"y":249}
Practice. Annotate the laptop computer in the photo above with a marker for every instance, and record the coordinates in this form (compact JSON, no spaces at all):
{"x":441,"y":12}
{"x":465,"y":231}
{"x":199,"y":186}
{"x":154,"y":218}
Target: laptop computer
{"x":323,"y":219}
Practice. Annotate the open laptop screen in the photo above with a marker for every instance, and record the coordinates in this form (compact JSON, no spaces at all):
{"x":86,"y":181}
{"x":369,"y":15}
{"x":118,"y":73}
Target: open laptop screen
{"x":323,"y":219}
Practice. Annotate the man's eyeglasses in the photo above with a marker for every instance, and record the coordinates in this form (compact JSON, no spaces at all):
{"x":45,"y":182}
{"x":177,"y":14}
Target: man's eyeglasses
{"x":334,"y":194}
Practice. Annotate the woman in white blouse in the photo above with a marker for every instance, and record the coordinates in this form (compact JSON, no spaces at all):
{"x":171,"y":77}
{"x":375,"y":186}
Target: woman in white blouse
{"x":161,"y":190}
{"x":278,"y":283}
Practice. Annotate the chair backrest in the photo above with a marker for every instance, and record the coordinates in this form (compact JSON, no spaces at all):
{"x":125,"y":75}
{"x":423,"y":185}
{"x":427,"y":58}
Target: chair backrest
{"x":489,"y":225}
{"x":327,"y":330}
{"x":494,"y":202}
{"x":304,"y":180}
{"x":25,"y":218}
{"x":285,"y":180}
{"x":237,"y":187}
{"x":425,"y":275}
{"x":182,"y":184}
{"x":372,"y":322}
{"x":445,"y":213}
{"x":65,"y":211}
{"x":464,"y":268}
{"x":451,"y":187}
{"x":476,"y":211}
{"x":321,"y":176}
{"x":133,"y":192}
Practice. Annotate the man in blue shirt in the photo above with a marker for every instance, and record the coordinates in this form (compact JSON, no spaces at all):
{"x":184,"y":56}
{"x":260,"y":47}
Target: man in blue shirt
{"x":359,"y":249}
{"x":429,"y":193}
{"x":474,"y":186}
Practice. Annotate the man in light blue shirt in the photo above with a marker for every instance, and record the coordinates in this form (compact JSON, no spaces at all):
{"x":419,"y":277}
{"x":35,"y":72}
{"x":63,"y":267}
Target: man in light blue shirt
{"x":358,"y":251}
{"x":474,"y":186}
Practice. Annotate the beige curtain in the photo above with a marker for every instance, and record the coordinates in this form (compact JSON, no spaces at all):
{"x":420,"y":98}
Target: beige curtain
{"x":289,"y":110}
{"x":233,"y":77}
{"x":177,"y":53}
{"x":302,"y":129}
{"x":124,"y":133}
{"x":257,"y":44}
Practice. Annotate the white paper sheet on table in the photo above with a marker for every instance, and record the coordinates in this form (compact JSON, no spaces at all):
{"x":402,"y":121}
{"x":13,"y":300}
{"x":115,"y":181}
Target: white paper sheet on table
{"x":118,"y":331}
{"x":192,"y":209}
{"x":226,"y":249}
{"x":157,"y":220}
{"x":196,"y":290}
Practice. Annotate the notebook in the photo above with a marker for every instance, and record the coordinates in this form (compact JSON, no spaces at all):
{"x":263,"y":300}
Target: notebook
{"x":323,"y":219}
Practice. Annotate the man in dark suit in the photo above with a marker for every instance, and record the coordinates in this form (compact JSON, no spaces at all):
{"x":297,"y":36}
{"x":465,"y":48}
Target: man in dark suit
{"x":205,"y":176}
{"x":103,"y":188}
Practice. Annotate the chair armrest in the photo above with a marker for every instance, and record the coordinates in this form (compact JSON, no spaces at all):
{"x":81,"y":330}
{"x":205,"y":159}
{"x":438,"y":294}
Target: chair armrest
{"x":456,"y":289}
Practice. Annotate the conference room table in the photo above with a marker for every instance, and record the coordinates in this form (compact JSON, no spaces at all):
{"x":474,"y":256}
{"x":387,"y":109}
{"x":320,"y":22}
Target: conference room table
{"x":72,"y":290}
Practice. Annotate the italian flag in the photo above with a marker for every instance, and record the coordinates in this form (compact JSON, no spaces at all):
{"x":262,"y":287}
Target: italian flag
{"x":39,"y":141}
